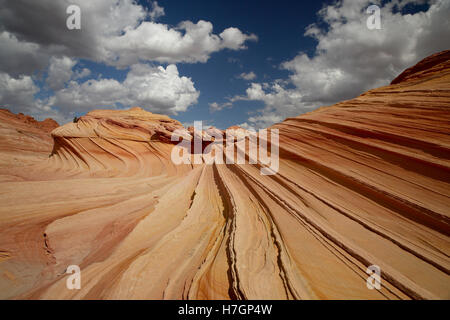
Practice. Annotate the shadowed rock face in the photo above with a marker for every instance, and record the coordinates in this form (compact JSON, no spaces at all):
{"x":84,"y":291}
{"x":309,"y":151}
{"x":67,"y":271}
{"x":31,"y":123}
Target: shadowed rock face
{"x":364,"y":182}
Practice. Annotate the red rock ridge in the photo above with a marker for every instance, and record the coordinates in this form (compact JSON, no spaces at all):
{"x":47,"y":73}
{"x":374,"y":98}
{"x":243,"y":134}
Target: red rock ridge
{"x":436,"y":63}
{"x":23,"y":141}
{"x":46,"y":125}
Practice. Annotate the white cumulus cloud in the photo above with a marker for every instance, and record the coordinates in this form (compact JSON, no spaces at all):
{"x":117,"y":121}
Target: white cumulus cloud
{"x":155,"y":89}
{"x":118,"y":33}
{"x":247,"y":76}
{"x":34,"y":40}
{"x":59,"y":72}
{"x":350,"y":59}
{"x":189,"y":42}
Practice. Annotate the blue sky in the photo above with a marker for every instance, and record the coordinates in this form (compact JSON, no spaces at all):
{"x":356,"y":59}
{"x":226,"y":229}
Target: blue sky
{"x":250,"y":63}
{"x":217,"y":78}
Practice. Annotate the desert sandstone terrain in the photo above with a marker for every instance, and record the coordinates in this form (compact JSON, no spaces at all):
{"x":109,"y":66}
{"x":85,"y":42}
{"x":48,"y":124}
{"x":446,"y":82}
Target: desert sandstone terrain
{"x":363,"y":182}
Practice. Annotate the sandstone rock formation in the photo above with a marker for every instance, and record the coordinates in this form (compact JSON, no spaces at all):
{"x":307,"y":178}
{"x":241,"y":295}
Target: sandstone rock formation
{"x":364,"y":182}
{"x":23,"y":141}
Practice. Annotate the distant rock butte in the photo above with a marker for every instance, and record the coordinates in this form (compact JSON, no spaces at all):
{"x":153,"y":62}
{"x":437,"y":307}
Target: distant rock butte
{"x":46,"y":125}
{"x":363,"y":182}
{"x":23,"y":140}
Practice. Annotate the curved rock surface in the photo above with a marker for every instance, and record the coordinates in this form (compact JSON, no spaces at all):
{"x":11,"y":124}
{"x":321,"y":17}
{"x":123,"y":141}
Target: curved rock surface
{"x":364,"y":182}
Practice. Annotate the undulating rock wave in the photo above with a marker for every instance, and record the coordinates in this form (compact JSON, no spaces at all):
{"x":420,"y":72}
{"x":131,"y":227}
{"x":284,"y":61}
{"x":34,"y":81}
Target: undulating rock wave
{"x":107,"y":143}
{"x":364,"y":182}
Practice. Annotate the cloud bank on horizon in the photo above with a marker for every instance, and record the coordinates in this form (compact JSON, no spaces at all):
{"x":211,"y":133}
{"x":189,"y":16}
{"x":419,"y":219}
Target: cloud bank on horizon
{"x":47,"y":70}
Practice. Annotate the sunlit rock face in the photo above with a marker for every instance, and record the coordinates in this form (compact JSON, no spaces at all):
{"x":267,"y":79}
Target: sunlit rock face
{"x":107,"y":143}
{"x":23,"y":141}
{"x":364,"y":182}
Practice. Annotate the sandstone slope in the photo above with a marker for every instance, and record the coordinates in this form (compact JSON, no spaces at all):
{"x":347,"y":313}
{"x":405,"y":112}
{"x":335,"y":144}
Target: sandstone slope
{"x":364,"y":182}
